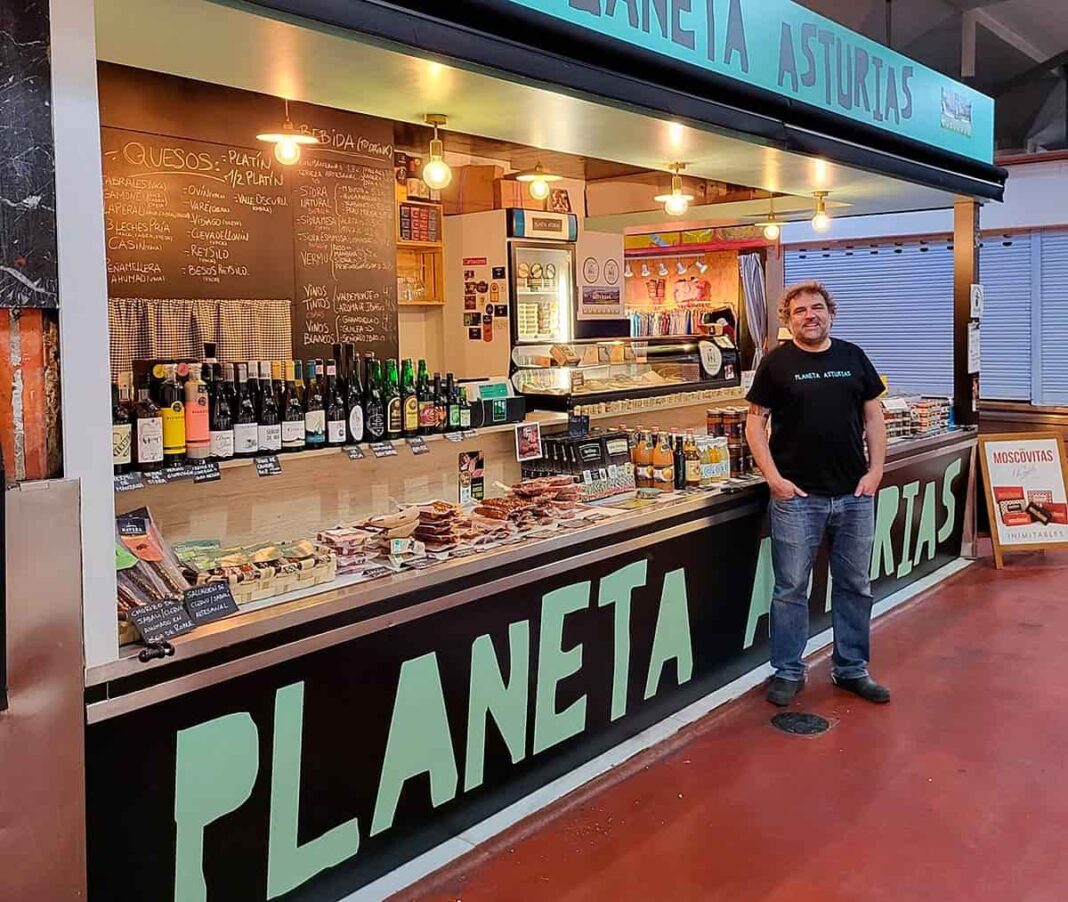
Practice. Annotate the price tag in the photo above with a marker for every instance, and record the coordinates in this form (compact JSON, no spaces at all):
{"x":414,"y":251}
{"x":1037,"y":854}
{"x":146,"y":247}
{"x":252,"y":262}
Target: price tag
{"x":587,"y":477}
{"x":578,"y":424}
{"x":383,"y":449}
{"x":454,"y":437}
{"x":206,"y":471}
{"x":154,"y":478}
{"x":572,"y":524}
{"x":376,"y":572}
{"x":355,"y":452}
{"x":132,"y":526}
{"x":127,"y":482}
{"x":268,"y":466}
{"x":470,"y":433}
{"x":211,"y":601}
{"x":463,"y":552}
{"x":418,"y":445}
{"x":419,"y":563}
{"x":160,"y":621}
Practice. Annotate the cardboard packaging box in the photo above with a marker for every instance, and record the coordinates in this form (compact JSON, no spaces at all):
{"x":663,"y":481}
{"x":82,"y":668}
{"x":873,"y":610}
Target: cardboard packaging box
{"x":471,"y":189}
{"x":509,"y":194}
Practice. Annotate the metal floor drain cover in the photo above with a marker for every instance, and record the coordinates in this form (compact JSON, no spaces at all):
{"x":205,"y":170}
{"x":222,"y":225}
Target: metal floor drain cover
{"x":800,"y":724}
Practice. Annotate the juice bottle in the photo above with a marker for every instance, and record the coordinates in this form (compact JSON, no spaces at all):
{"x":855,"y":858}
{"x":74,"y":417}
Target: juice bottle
{"x":663,"y":464}
{"x":708,"y":449}
{"x":693,"y":461}
{"x":643,"y":463}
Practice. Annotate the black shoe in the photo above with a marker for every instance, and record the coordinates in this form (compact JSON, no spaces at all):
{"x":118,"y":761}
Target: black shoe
{"x":781,"y":691}
{"x":865,"y":687}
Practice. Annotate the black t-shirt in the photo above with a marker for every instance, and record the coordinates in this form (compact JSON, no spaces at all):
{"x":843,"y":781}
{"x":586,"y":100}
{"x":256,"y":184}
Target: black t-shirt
{"x":816,"y":401}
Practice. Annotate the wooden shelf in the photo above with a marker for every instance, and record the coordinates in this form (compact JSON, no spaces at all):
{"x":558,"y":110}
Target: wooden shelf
{"x":429,"y":303}
{"x":421,"y":245}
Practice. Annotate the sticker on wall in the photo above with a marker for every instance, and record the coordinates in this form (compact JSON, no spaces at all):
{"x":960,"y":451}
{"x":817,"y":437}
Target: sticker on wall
{"x":472,"y":319}
{"x":470,"y":303}
{"x":591,"y":270}
{"x":487,"y":328}
{"x":495,"y":292}
{"x":474,"y":261}
{"x":475,"y":333}
{"x":498,"y":272}
{"x":482,"y":287}
{"x":611,"y":271}
{"x":500,"y":310}
{"x":489,"y":310}
{"x":472,"y":476}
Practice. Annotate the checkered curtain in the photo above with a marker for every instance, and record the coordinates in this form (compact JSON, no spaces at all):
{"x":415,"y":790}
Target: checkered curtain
{"x":242,"y":330}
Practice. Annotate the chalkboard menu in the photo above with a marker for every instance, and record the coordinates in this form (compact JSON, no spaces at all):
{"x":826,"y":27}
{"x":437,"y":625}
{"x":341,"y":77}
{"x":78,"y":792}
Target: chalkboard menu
{"x":343,"y":229}
{"x":189,"y":219}
{"x":197,"y":209}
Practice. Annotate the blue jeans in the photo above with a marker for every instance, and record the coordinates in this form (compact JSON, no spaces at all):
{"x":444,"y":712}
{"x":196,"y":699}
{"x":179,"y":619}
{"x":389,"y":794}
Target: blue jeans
{"x":797,"y":528}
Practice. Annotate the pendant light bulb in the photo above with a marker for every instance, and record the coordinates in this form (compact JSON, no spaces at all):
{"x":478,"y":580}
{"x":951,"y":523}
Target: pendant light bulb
{"x":436,"y":172}
{"x":539,"y":189}
{"x":677,"y":202}
{"x":821,"y":222}
{"x":287,"y":152}
{"x":287,"y":140}
{"x":771,"y":231}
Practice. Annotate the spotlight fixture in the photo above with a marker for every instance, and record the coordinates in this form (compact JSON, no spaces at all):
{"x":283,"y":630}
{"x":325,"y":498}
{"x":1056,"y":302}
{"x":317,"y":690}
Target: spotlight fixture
{"x":702,"y":267}
{"x":661,"y":270}
{"x":436,"y":172}
{"x":538,"y":179}
{"x":676,"y":203}
{"x":821,"y":221}
{"x":681,"y":268}
{"x":287,"y":140}
{"x":627,"y":271}
{"x":645,"y":271}
{"x":771,"y":224}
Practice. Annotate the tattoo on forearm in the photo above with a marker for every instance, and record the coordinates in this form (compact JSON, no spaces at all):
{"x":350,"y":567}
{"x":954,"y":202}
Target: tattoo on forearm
{"x":760,"y":413}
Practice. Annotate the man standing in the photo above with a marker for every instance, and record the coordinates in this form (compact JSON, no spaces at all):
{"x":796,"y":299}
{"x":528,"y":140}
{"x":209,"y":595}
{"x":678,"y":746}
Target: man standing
{"x":820,"y":393}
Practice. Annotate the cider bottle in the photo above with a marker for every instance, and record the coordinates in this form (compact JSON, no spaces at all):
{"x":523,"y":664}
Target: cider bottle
{"x":643,"y":463}
{"x":664,"y":464}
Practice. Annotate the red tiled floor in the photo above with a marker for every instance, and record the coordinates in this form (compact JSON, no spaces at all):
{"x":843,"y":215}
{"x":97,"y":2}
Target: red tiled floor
{"x":954,"y":791}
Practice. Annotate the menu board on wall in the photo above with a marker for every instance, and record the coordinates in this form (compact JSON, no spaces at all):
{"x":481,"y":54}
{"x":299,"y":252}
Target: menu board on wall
{"x":197,"y":208}
{"x":345,"y":255}
{"x":190,"y":219}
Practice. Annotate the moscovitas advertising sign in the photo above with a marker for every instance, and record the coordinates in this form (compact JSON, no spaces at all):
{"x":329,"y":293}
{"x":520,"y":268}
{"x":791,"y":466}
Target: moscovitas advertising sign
{"x":786,"y":49}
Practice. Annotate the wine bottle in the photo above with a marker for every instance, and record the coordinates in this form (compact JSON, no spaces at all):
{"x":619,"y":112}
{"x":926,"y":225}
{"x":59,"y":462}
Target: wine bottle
{"x":452,"y":400}
{"x":292,"y":410}
{"x":409,"y":399}
{"x":269,"y":432}
{"x":172,"y":407}
{"x":425,"y":397}
{"x":441,"y":406}
{"x":394,"y":407}
{"x":197,"y":425}
{"x":374,"y":406}
{"x":221,"y":434}
{"x":121,"y":434}
{"x":465,"y":410}
{"x":336,"y":426}
{"x":252,"y":373}
{"x":354,"y":399}
{"x":314,"y":409}
{"x":148,"y":429}
{"x":246,"y":425}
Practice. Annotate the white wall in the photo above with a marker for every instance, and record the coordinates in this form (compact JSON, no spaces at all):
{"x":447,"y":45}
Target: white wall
{"x":1036,"y":196}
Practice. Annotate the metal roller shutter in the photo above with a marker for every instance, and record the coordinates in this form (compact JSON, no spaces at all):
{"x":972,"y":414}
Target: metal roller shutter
{"x":1053,"y":370}
{"x":1005,"y":271}
{"x":895,"y":300}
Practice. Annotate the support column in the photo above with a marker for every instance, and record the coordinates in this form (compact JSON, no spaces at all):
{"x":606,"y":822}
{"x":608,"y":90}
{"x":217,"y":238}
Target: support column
{"x":965,"y":274}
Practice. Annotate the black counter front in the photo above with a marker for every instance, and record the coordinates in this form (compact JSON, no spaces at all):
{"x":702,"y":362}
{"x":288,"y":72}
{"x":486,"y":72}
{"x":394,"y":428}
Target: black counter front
{"x":303,"y":762}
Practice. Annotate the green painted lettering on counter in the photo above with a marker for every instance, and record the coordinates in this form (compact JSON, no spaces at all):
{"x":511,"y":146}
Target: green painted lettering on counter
{"x":617,"y":590}
{"x":882,"y":552}
{"x":490,"y":695}
{"x":949,"y":500}
{"x":554,"y":665}
{"x":290,"y":864}
{"x":215,"y":769}
{"x":672,"y":639}
{"x":908,"y":493}
{"x":763,"y":589}
{"x":419,"y":741}
{"x":925,"y":536}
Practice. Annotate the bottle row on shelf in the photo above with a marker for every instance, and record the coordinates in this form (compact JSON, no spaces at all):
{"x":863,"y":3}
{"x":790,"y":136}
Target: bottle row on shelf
{"x":211,"y":410}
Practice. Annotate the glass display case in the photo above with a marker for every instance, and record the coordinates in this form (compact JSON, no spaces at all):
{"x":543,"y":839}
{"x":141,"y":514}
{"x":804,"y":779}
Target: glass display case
{"x":558,"y":376}
{"x":543,"y":292}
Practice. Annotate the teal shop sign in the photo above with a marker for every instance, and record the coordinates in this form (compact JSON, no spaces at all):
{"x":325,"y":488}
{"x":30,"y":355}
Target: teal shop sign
{"x":786,"y":49}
